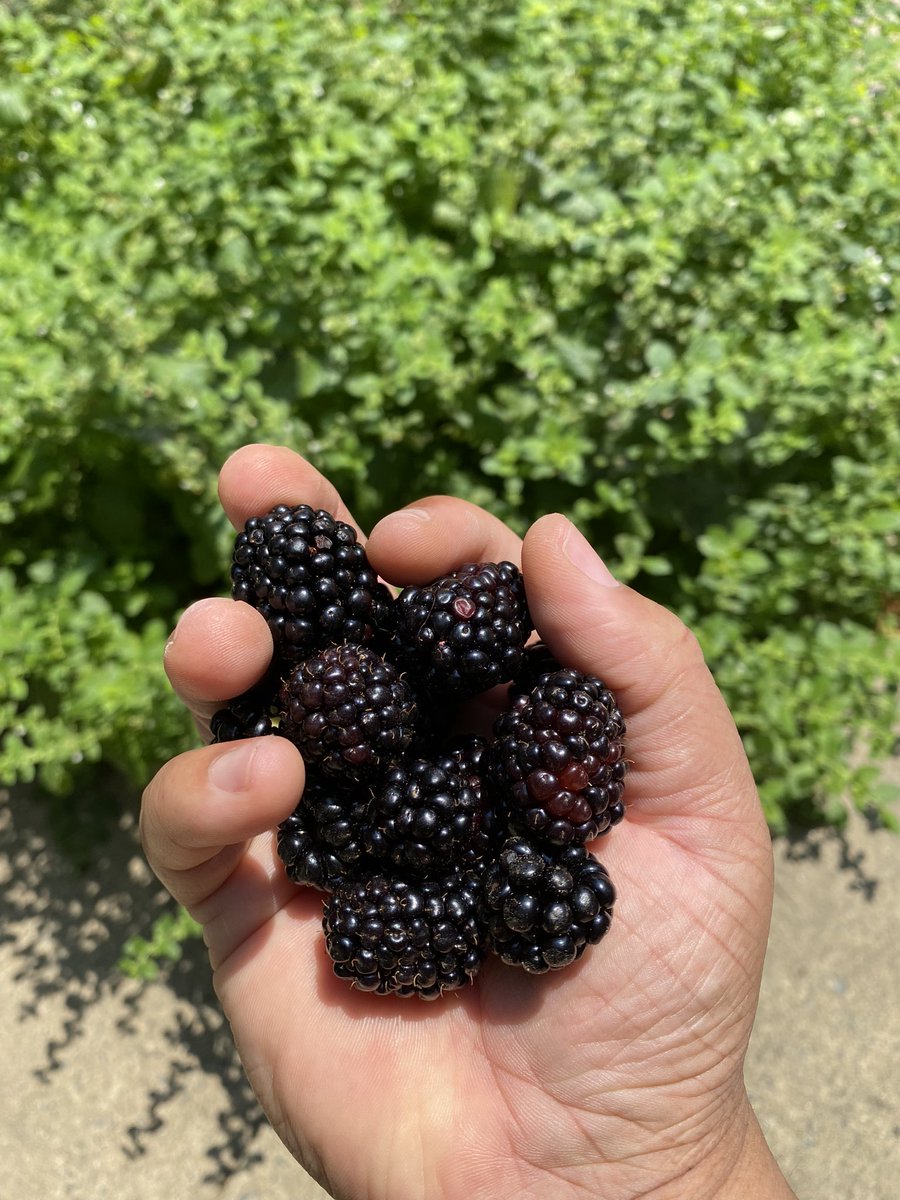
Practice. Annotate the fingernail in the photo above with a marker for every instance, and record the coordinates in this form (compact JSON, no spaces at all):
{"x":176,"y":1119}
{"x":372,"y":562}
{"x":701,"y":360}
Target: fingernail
{"x":170,"y":641}
{"x":231,"y":770}
{"x":581,"y":554}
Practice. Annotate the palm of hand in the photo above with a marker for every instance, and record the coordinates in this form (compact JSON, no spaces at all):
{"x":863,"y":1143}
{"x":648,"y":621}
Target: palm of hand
{"x":490,"y":1089}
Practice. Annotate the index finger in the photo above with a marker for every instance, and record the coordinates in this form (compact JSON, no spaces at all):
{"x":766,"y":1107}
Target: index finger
{"x":257,"y":477}
{"x":436,"y":535}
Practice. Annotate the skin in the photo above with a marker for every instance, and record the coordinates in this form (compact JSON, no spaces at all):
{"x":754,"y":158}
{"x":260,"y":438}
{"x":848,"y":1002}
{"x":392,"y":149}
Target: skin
{"x":621,"y":1076}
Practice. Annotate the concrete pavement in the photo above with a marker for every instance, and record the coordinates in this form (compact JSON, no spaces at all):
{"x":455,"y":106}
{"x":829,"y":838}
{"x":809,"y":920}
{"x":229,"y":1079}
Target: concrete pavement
{"x":113,"y":1089}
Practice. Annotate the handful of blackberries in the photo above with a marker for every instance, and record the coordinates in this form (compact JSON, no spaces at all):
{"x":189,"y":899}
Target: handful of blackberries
{"x":434,"y":845}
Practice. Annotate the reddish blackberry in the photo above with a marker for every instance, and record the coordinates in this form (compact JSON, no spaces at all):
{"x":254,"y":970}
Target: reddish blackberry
{"x":324,"y":839}
{"x":427,"y":813}
{"x":543,"y":907}
{"x":348,"y":711}
{"x":419,"y":938}
{"x":310,"y":578}
{"x":465,"y":632}
{"x":558,"y":755}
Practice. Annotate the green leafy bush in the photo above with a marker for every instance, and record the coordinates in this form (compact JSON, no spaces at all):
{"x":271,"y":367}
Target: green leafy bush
{"x":633,"y":261}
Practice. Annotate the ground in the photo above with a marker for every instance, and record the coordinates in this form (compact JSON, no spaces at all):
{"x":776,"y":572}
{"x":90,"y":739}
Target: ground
{"x":118,"y":1089}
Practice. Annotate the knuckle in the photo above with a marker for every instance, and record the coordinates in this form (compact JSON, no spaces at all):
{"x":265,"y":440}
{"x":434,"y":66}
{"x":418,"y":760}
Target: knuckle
{"x":683,"y":653}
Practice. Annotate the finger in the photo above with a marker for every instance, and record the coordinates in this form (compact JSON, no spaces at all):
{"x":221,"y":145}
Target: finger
{"x":202,"y":807}
{"x":435,"y":536}
{"x":681,"y":736}
{"x":257,"y":477}
{"x":217,"y":651}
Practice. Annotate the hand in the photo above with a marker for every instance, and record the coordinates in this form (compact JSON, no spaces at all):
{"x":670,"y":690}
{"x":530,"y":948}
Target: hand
{"x":618,"y":1077}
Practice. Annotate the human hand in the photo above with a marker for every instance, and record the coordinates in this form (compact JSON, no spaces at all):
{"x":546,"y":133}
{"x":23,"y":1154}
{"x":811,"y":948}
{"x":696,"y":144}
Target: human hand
{"x":620,"y":1076}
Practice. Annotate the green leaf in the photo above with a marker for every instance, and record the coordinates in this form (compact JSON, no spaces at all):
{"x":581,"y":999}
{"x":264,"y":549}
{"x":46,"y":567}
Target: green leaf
{"x":14,"y":110}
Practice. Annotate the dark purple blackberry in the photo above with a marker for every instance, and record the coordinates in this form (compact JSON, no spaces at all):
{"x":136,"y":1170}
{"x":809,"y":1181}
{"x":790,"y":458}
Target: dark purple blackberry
{"x":558,"y":756}
{"x":324,"y":841}
{"x":348,"y":711}
{"x":465,"y":632}
{"x":428,"y":814}
{"x":310,"y":578}
{"x":418,"y":938}
{"x":543,"y":907}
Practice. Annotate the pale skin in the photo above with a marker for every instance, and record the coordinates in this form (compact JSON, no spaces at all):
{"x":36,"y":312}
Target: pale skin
{"x":620,"y":1077}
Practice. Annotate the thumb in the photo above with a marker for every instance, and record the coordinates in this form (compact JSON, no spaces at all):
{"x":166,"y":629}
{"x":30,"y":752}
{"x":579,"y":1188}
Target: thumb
{"x":685,"y":752}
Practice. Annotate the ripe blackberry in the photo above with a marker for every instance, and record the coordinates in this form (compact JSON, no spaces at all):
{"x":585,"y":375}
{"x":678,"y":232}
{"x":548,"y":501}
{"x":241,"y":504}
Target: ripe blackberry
{"x":390,"y":935}
{"x":324,"y":840}
{"x":428,"y":814}
{"x":231,"y":725}
{"x":469,"y":753}
{"x":558,"y":756}
{"x":536,"y":661}
{"x":465,"y":632}
{"x":246,"y":716}
{"x":348,"y":711}
{"x":310,"y":578}
{"x":543,"y":907}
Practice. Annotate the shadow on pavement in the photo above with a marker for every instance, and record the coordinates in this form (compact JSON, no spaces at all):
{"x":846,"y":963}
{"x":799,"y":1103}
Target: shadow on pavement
{"x":63,"y":930}
{"x":808,"y":845}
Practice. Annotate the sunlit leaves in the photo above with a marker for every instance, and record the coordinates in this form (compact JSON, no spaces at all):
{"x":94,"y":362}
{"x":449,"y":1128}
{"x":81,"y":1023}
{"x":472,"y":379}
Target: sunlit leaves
{"x":633,"y":261}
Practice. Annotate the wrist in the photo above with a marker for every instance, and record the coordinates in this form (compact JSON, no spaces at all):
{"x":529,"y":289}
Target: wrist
{"x":740,"y":1167}
{"x":753,"y":1174}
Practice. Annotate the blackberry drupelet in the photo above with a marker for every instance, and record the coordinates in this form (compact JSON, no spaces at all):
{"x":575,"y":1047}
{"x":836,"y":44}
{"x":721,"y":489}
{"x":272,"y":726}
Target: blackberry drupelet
{"x":543,"y":907}
{"x":310,"y":578}
{"x":558,"y":756}
{"x":392,"y":935}
{"x":348,"y":711}
{"x":324,"y":841}
{"x":427,"y":813}
{"x":465,"y":632}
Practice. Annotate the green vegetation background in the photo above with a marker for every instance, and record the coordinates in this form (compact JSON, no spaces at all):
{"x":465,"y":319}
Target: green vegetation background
{"x":635,"y":261}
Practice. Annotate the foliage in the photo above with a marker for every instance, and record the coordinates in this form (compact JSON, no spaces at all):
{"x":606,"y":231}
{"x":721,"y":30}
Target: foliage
{"x":141,"y":957}
{"x":633,"y":261}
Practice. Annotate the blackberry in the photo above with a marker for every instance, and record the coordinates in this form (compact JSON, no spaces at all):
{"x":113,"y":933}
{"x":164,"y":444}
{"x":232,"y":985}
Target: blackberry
{"x":536,"y":661}
{"x":230,"y":724}
{"x":348,"y":711}
{"x":390,"y":935}
{"x":428,"y":813}
{"x":469,"y":753}
{"x":310,"y":578}
{"x":465,"y":632}
{"x":324,"y":840}
{"x":544,"y":907}
{"x":558,"y":756}
{"x":246,"y":716}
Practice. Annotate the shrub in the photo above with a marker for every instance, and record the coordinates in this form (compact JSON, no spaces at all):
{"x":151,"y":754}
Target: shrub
{"x":633,"y":261}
